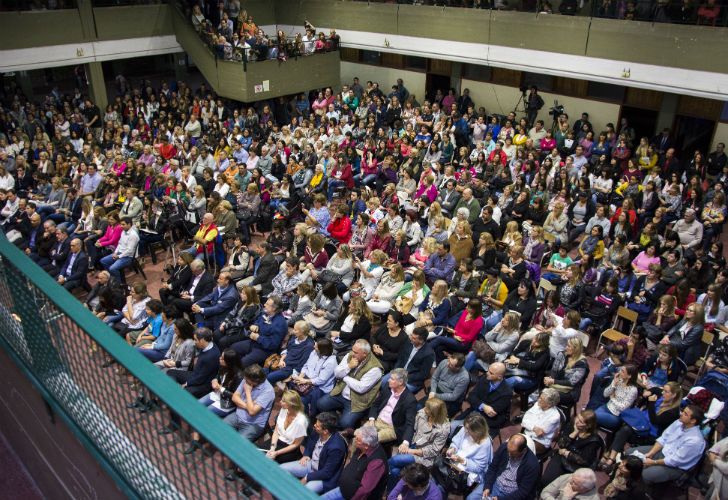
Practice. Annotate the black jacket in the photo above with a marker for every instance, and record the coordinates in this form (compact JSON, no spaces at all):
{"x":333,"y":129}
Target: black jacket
{"x":204,"y":287}
{"x":403,"y":415}
{"x":534,"y":363}
{"x":419,"y":368}
{"x":267,"y":270}
{"x":205,"y":369}
{"x":499,"y":400}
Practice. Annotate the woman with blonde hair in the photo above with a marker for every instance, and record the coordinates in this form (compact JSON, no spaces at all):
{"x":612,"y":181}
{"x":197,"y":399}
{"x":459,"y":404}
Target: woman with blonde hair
{"x":687,"y":335}
{"x":371,"y":272}
{"x":431,"y":432}
{"x":484,"y":254}
{"x":512,"y":235}
{"x":420,"y":256}
{"x":291,"y":428}
{"x":556,"y":223}
{"x":300,"y":239}
{"x":387,"y":290}
{"x":437,"y":229}
{"x":434,"y":210}
{"x":535,"y":246}
{"x":461,"y":241}
{"x":569,"y":372}
{"x":438,"y":303}
{"x":357,"y":324}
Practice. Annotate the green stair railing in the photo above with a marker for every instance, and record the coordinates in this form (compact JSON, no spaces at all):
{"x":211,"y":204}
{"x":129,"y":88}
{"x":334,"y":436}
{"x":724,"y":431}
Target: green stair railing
{"x":61,"y":346}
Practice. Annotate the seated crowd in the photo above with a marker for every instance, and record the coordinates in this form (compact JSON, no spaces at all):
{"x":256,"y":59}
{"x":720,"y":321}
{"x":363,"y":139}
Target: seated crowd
{"x":233,"y":35}
{"x":423,"y":270}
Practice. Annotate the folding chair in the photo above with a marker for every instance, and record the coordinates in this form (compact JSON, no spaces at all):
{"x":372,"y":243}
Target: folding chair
{"x":707,"y":344}
{"x":613,"y":334}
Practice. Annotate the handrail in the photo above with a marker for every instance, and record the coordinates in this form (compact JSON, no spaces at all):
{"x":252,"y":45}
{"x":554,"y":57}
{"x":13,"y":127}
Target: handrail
{"x":17,"y":267}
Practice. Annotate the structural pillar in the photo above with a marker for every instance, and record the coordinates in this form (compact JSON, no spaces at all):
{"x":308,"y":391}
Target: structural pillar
{"x":668,"y":110}
{"x":96,"y":84}
{"x":22,"y":78}
{"x":456,"y":72}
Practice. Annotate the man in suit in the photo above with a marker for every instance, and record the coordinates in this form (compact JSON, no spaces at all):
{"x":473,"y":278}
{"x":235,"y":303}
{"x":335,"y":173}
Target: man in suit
{"x":416,"y":358}
{"x":393,"y":412}
{"x":59,"y":252}
{"x":198,"y":381}
{"x":43,"y":244}
{"x":211,"y":310}
{"x":265,"y":269}
{"x":32,"y":233}
{"x":199,"y":286}
{"x":662,"y":142}
{"x":73,"y":271}
{"x":492,"y":397}
{"x":323,"y":458}
{"x":105,"y":288}
{"x":513,"y":453}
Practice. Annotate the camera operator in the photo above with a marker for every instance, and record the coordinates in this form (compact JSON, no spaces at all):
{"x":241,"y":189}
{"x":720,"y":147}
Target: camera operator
{"x":534,"y":103}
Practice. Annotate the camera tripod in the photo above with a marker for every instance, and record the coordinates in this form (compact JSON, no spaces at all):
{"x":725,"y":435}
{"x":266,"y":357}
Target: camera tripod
{"x":520,"y":104}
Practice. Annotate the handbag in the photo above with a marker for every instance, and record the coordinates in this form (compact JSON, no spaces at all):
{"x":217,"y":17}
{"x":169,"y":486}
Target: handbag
{"x":318,"y":322}
{"x":226,"y":400}
{"x":301,"y":389}
{"x":483,"y":351}
{"x":404,"y":304}
{"x":329,"y":276}
{"x":272,"y":361}
{"x":453,"y":480}
{"x":638,"y":420}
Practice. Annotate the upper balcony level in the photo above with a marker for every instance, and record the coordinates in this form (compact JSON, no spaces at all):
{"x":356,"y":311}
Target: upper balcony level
{"x":660,"y":56}
{"x":678,"y":58}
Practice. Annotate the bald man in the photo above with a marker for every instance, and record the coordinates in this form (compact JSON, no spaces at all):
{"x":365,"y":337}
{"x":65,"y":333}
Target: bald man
{"x":491,"y":397}
{"x":73,"y":271}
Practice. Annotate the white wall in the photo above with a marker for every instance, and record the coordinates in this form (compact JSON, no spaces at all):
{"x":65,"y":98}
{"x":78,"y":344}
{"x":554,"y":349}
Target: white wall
{"x":502,"y":99}
{"x":413,"y":81}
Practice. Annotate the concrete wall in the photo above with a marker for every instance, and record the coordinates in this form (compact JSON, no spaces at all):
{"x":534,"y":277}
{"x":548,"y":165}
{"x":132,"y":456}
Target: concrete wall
{"x":721,"y":135}
{"x":60,"y":465}
{"x":690,"y":47}
{"x":113,"y":23}
{"x":414,"y":81}
{"x":38,"y":29}
{"x":501,"y":99}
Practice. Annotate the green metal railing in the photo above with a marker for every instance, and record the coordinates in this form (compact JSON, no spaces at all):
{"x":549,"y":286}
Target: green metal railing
{"x":61,"y":348}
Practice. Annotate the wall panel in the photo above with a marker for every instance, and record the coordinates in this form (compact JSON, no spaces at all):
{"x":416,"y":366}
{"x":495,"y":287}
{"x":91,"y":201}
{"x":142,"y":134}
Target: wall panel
{"x":39,"y":29}
{"x":114,"y":23}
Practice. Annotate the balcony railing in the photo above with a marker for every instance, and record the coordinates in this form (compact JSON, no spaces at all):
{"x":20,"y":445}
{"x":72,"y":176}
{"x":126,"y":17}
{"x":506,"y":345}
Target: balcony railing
{"x":61,"y":347}
{"x":657,"y":11}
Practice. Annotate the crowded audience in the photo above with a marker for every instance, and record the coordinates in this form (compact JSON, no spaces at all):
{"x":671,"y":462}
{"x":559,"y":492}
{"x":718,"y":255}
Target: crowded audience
{"x":356,"y":270}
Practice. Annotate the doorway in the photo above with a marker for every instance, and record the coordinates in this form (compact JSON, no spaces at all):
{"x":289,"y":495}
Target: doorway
{"x":433,"y":83}
{"x":643,"y":121}
{"x":692,"y":134}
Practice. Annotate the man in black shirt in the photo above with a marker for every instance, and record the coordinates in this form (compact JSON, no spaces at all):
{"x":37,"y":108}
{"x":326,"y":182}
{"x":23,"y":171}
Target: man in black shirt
{"x":92,"y":113}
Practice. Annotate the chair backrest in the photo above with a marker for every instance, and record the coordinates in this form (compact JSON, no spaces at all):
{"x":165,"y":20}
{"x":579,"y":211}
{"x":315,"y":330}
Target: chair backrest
{"x":626,"y":314}
{"x":585,"y":339}
{"x":546,"y":285}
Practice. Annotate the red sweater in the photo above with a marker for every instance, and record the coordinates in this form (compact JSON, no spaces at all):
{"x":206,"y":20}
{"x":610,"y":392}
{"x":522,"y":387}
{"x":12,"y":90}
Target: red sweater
{"x":468,"y":330}
{"x":340,"y":229}
{"x":345,"y":174}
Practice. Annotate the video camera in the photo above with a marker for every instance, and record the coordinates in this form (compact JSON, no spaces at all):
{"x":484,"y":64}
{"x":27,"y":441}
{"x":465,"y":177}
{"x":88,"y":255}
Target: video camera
{"x":557,"y":110}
